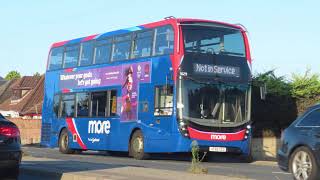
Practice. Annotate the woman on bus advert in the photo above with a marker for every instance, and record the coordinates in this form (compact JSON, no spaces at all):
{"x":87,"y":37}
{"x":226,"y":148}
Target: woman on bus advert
{"x":129,"y":100}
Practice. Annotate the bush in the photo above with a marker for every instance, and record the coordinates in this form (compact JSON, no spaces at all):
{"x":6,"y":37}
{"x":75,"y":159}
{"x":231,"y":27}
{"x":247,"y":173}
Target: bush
{"x":305,"y":86}
{"x":279,"y":109}
{"x":284,"y":102}
{"x":275,"y":85}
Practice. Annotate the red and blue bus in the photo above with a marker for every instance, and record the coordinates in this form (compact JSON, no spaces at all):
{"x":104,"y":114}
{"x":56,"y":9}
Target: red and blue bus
{"x":151,"y":88}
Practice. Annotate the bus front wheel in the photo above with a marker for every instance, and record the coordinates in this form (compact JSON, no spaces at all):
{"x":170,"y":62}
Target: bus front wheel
{"x":64,"y":142}
{"x":137,"y":146}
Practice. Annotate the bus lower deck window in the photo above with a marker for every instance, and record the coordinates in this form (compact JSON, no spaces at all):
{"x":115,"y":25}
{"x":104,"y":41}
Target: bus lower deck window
{"x":163,"y":101}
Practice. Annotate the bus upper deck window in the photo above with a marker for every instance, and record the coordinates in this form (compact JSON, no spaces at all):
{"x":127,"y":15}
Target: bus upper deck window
{"x":142,"y":44}
{"x":71,"y":56}
{"x":103,"y":51}
{"x":164,"y":40}
{"x":86,"y":53}
{"x":56,"y":58}
{"x":121,"y":50}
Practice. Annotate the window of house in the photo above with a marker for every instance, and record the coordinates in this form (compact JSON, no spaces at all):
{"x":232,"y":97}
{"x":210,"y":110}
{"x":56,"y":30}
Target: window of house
{"x":142,"y":44}
{"x":55,"y":58}
{"x":83,"y":104}
{"x":67,"y":105}
{"x":163,"y":101}
{"x":86,"y":53}
{"x":312,"y":119}
{"x":103,"y":51}
{"x":71,"y":56}
{"x":164,"y":40}
{"x":122,"y":47}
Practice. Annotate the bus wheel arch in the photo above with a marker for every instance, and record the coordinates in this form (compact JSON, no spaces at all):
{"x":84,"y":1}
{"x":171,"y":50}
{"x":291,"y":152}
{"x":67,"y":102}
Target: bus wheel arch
{"x":136,"y":145}
{"x":63,"y":142}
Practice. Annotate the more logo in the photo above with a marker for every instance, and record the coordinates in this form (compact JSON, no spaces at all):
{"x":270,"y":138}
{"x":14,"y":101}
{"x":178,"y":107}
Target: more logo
{"x":218,"y":137}
{"x":99,"y":127}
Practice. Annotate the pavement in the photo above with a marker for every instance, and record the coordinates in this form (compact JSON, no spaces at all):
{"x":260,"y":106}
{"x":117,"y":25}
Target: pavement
{"x":66,"y":170}
{"x":53,"y":165}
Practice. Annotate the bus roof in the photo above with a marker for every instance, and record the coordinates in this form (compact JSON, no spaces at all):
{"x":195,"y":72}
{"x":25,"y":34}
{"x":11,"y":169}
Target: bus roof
{"x":166,"y":21}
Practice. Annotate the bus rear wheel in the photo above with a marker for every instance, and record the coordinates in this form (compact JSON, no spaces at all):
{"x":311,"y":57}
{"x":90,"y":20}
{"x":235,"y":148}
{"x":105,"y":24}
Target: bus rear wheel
{"x":64,"y":143}
{"x":137,"y":146}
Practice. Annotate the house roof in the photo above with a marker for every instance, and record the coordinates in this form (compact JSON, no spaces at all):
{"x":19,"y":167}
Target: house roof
{"x":27,"y":82}
{"x":2,"y":81}
{"x":34,"y":97}
{"x":6,"y":91}
{"x":34,"y":104}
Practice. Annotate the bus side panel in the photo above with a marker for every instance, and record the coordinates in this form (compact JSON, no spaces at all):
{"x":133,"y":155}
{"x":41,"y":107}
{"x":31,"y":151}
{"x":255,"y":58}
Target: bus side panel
{"x":48,"y":115}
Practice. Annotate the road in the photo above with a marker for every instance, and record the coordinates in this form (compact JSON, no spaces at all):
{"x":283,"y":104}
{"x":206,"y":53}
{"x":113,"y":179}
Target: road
{"x":218,"y":164}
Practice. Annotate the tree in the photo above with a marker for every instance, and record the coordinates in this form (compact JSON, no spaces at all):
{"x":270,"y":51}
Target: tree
{"x":37,"y":74}
{"x":13,"y":75}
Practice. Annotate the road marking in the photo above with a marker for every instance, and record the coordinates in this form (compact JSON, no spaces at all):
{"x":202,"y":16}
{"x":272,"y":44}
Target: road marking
{"x":280,"y":173}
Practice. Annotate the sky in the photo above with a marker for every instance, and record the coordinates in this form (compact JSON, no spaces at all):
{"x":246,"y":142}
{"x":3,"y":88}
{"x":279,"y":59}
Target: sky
{"x":284,"y":35}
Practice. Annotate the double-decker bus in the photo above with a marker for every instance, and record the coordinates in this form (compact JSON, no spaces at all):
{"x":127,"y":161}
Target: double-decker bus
{"x":150,"y":89}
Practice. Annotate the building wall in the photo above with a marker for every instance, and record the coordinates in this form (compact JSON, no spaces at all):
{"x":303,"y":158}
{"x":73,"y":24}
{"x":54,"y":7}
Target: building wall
{"x":29,"y":129}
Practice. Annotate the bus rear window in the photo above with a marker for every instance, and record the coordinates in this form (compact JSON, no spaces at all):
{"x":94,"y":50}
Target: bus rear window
{"x":56,"y":58}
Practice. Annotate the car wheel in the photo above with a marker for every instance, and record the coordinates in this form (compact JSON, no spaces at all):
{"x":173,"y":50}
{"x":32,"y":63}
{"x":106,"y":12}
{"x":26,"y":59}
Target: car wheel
{"x":64,"y":142}
{"x":137,"y":146}
{"x":303,"y":165}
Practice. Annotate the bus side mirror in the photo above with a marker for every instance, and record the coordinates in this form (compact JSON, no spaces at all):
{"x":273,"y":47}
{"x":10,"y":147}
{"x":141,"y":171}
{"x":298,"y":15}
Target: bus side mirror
{"x":263,"y":91}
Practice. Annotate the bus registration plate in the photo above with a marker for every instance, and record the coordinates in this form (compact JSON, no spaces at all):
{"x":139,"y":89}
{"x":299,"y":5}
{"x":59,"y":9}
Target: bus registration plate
{"x":217,"y":149}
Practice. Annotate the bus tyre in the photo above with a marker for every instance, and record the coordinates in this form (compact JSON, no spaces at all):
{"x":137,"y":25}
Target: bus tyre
{"x":64,"y":142}
{"x":247,"y":158}
{"x":303,"y":165}
{"x":137,"y":146}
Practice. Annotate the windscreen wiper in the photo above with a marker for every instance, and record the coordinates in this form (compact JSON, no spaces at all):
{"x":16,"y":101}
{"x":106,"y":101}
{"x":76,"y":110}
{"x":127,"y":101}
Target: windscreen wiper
{"x":195,"y":80}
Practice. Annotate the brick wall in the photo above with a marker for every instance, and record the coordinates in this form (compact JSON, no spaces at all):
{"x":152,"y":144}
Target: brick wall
{"x":265,"y":148}
{"x":29,"y":129}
